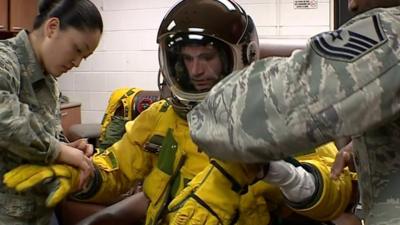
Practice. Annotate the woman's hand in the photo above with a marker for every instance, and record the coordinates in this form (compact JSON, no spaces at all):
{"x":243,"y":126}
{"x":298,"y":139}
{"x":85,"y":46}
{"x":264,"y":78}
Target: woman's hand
{"x":83,"y":145}
{"x":76,"y":156}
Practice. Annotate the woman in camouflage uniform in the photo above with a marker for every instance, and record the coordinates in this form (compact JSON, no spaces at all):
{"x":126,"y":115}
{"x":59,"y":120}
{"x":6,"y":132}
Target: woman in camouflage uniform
{"x":64,"y":33}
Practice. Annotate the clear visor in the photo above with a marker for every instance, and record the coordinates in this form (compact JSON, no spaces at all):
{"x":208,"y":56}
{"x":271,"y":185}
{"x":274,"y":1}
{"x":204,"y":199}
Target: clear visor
{"x":193,"y":64}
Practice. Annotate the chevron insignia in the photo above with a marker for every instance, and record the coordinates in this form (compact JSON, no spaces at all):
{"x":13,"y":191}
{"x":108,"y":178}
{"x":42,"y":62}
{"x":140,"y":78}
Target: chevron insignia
{"x":351,"y":42}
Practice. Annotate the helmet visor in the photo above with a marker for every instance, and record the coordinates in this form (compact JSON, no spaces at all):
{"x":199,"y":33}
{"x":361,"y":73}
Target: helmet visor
{"x":193,"y":63}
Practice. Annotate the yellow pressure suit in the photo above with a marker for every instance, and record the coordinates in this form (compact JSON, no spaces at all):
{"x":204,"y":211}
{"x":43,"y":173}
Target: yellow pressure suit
{"x":158,"y":149}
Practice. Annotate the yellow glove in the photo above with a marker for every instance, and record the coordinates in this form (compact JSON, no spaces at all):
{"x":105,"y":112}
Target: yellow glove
{"x":27,"y":176}
{"x":60,"y":180}
{"x":212,"y":196}
{"x":68,"y":178}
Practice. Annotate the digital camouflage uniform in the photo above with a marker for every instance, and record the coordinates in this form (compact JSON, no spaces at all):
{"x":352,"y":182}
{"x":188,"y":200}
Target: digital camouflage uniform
{"x":29,"y":121}
{"x":345,"y":83}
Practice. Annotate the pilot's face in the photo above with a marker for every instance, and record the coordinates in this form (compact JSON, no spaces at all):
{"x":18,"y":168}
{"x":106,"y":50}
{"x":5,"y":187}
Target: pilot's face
{"x":203,"y":64}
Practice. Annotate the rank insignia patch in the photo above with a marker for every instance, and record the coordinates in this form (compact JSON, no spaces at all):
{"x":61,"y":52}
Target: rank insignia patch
{"x":351,"y":42}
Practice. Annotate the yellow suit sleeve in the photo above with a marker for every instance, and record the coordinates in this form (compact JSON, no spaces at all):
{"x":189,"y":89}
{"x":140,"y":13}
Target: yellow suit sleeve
{"x":126,"y":162}
{"x":333,"y":196}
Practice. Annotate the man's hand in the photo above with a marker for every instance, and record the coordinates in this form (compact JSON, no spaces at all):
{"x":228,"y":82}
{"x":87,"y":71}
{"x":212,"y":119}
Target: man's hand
{"x":212,"y":197}
{"x":60,"y":180}
{"x":344,"y":158}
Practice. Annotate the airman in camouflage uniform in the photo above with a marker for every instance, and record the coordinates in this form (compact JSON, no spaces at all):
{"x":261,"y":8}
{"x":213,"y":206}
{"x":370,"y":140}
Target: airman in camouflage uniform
{"x":29,"y":118}
{"x":345,"y":83}
{"x":29,"y":100}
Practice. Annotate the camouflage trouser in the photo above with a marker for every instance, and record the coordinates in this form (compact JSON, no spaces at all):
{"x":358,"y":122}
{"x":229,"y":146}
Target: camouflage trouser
{"x":23,"y":210}
{"x":377,"y":158}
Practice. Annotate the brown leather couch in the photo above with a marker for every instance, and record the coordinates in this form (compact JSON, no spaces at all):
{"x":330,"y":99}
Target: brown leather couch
{"x":280,"y":47}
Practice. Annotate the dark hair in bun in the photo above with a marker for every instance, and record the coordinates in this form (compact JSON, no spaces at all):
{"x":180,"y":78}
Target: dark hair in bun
{"x":79,"y":14}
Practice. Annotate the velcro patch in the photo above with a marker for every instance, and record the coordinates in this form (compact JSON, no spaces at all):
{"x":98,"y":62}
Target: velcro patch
{"x":351,"y":42}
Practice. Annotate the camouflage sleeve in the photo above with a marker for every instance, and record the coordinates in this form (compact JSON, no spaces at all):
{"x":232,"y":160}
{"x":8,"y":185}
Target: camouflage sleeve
{"x":345,"y":82}
{"x":21,"y":133}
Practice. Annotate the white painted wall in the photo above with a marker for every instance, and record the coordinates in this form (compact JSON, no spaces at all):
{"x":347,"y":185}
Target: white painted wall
{"x":127,"y":54}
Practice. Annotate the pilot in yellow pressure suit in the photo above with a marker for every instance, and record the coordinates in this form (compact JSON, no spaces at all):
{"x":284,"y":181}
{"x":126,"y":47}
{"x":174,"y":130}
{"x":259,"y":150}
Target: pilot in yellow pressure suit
{"x":157,"y":148}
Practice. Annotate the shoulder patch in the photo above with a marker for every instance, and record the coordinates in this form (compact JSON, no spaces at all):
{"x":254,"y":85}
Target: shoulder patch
{"x":351,"y":42}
